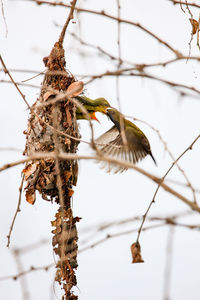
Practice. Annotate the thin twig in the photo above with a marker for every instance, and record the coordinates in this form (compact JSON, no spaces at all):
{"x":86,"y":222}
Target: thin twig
{"x":69,"y":18}
{"x":185,"y":3}
{"x":23,"y":71}
{"x":144,"y":75}
{"x":15,"y":84}
{"x":41,"y":73}
{"x":11,"y":149}
{"x":102,"y":13}
{"x":160,"y":184}
{"x":21,"y":84}
{"x":130,"y":231}
{"x":196,"y":190}
{"x":98,"y":48}
{"x":168,"y":264}
{"x":4,"y":18}
{"x":31,"y":269}
{"x":118,"y":234}
{"x":22,"y":279}
{"x":171,"y":155}
{"x":119,"y":34}
{"x":16,"y":212}
{"x":168,"y":219}
{"x":124,"y":139}
{"x":32,"y":246}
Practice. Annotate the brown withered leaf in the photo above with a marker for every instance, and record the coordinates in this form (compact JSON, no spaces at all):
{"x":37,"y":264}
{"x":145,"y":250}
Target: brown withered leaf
{"x":30,"y":196}
{"x":57,"y":221}
{"x":69,"y":118}
{"x":57,"y":230}
{"x":67,"y":175}
{"x":76,"y":88}
{"x":47,"y":95}
{"x":48,"y":181}
{"x":136,"y":253}
{"x":70,"y":192}
{"x":29,"y":170}
{"x":53,"y":223}
{"x":67,"y":141}
{"x":195,"y":25}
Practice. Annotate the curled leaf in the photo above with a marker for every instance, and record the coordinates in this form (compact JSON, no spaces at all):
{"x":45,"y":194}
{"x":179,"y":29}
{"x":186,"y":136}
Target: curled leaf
{"x":67,"y":175}
{"x":70,"y":192}
{"x":47,"y":95}
{"x":136,"y":253}
{"x":195,"y":25}
{"x":53,"y":223}
{"x":29,"y":170}
{"x":30,"y":196}
{"x":75,"y":88}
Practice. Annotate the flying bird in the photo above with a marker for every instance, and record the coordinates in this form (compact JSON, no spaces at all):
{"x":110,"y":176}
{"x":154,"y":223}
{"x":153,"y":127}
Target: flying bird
{"x":123,"y":141}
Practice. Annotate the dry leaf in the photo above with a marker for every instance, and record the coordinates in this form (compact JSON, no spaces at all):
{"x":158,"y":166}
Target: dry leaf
{"x":75,"y":88}
{"x":53,"y":223}
{"x":29,"y":170}
{"x":70,"y":193}
{"x":136,"y":253}
{"x":195,"y":25}
{"x":47,"y":95}
{"x":30,"y":196}
{"x":67,"y":141}
{"x":67,"y":175}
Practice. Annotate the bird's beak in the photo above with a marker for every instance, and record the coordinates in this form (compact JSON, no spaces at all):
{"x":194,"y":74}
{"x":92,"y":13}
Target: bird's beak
{"x":93,"y":117}
{"x":105,"y":110}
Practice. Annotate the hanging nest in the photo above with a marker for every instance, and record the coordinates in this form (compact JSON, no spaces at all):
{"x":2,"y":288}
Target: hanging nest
{"x":52,"y":129}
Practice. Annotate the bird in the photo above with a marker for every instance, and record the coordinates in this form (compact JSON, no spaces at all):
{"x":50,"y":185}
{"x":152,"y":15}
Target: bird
{"x":92,"y":106}
{"x":123,"y":141}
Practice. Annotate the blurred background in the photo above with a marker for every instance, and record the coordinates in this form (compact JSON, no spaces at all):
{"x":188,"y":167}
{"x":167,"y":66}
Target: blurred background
{"x":108,"y":204}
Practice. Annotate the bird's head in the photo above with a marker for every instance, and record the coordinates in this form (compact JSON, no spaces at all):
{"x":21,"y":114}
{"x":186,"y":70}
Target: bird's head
{"x":115,"y":116}
{"x":102,"y":104}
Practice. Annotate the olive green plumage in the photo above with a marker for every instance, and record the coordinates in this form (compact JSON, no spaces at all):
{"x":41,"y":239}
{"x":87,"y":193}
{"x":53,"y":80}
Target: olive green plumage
{"x":134,"y":147}
{"x":92,"y":106}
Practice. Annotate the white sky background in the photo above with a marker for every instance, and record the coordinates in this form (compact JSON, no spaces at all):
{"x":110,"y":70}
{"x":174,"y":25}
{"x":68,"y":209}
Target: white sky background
{"x":104,"y":272}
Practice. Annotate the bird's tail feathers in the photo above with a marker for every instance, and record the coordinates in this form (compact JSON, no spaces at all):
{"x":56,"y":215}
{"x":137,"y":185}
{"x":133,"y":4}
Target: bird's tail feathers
{"x":153,"y":159}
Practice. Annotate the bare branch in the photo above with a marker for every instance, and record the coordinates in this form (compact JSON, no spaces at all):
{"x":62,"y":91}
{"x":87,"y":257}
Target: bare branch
{"x":17,"y":211}
{"x":21,"y":84}
{"x":102,"y":13}
{"x":185,"y":3}
{"x":160,"y":184}
{"x":15,"y":84}
{"x":144,"y":75}
{"x":171,"y":155}
{"x":31,"y":269}
{"x":168,"y":265}
{"x":69,"y":18}
{"x":4,"y":18}
{"x":130,"y":231}
{"x":22,"y":279}
{"x":68,"y":156}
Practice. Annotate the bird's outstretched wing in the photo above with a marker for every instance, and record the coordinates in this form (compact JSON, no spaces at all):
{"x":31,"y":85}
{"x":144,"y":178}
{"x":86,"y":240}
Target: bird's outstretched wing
{"x":111,"y":144}
{"x":107,"y":137}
